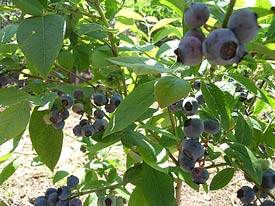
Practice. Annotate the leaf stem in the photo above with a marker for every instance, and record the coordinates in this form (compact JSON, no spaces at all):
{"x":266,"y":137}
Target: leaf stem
{"x":228,"y":13}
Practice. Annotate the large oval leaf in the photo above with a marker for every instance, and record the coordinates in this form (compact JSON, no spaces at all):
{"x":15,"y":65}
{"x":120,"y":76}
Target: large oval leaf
{"x":169,"y":90}
{"x":46,"y":140}
{"x":134,"y":105}
{"x":222,"y":178}
{"x":33,"y":7}
{"x":40,"y":39}
{"x":13,"y":121}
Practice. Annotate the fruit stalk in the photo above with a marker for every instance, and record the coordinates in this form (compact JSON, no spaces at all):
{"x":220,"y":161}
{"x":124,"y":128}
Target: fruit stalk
{"x":228,"y":13}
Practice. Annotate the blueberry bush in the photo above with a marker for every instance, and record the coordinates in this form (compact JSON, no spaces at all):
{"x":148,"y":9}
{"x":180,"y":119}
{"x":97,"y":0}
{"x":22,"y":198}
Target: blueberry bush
{"x":180,"y":87}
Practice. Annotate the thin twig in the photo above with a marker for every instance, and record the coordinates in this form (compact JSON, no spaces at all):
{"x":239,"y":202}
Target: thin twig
{"x":228,"y":13}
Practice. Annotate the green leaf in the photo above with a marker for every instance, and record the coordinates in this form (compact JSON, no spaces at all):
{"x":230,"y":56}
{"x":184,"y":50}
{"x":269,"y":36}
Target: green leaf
{"x":33,"y":7}
{"x":216,"y":101}
{"x":243,"y":132}
{"x":7,"y":33}
{"x":39,"y":43}
{"x":131,"y":108}
{"x":170,"y":89}
{"x":13,"y":121}
{"x":159,"y":131}
{"x":174,"y":5}
{"x":167,"y":32}
{"x":158,"y":188}
{"x":46,"y":140}
{"x":66,"y":59}
{"x":102,"y":145}
{"x":162,"y":23}
{"x":59,"y":175}
{"x":11,"y":95}
{"x":8,"y":170}
{"x":247,"y":161}
{"x":260,"y":49}
{"x":137,"y":198}
{"x":140,"y":65}
{"x":271,"y":30}
{"x":91,"y":27}
{"x":8,"y":49}
{"x":222,"y":178}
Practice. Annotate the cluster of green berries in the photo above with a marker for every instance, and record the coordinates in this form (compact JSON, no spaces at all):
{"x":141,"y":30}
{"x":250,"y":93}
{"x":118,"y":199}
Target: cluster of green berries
{"x":222,"y":46}
{"x":247,"y":194}
{"x":61,"y":196}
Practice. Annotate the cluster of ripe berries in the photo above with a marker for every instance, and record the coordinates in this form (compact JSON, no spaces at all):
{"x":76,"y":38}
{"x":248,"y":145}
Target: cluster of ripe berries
{"x":191,"y":150}
{"x":60,"y":196}
{"x":247,"y":194}
{"x":222,"y":46}
{"x":59,"y":112}
{"x":86,"y":127}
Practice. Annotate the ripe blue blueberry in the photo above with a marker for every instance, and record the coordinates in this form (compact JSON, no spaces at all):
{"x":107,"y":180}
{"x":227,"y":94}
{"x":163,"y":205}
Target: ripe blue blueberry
{"x":72,"y":181}
{"x":64,"y":192}
{"x":268,"y":203}
{"x":193,"y":128}
{"x":246,"y":194}
{"x":40,"y":201}
{"x":211,"y":126}
{"x":244,"y":24}
{"x":192,"y":149}
{"x":49,"y":191}
{"x":199,"y":97}
{"x":62,"y":203}
{"x":55,"y":116}
{"x":268,"y":179}
{"x":195,"y":33}
{"x":186,"y":164}
{"x":100,"y":124}
{"x":189,"y":51}
{"x":52,"y":198}
{"x":116,"y":99}
{"x":221,"y":47}
{"x":197,"y":84}
{"x":261,"y":192}
{"x":64,"y":113}
{"x":77,"y":130}
{"x":67,"y":101}
{"x":75,"y":202}
{"x":110,"y":108}
{"x":59,"y":125}
{"x":99,"y":114}
{"x":87,"y":130}
{"x":196,"y":15}
{"x":190,"y":106}
{"x":78,"y":94}
{"x":100,"y":99}
{"x":199,"y":175}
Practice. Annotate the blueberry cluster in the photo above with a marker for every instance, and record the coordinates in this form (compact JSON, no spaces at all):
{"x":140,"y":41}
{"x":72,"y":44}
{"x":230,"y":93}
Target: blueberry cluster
{"x":87,"y":127}
{"x":222,"y":46}
{"x":247,"y":194}
{"x":191,"y":150}
{"x":110,"y":201}
{"x":60,"y":196}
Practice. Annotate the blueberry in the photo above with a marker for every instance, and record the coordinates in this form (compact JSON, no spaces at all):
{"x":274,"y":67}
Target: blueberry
{"x":268,"y":179}
{"x":211,"y":126}
{"x":199,"y":97}
{"x":110,"y":108}
{"x":221,"y":47}
{"x":100,"y":124}
{"x":190,"y":51}
{"x":268,"y":203}
{"x":52,"y":198}
{"x":199,"y":175}
{"x":72,"y":181}
{"x":55,"y":116}
{"x":186,"y":164}
{"x":195,"y":33}
{"x":109,"y":201}
{"x":193,"y":128}
{"x":246,"y":194}
{"x":192,"y":149}
{"x":77,"y":130}
{"x":190,"y":106}
{"x":64,"y":192}
{"x":64,"y":113}
{"x":62,"y":203}
{"x":67,"y":101}
{"x":100,"y":99}
{"x":99,"y":114}
{"x":176,"y":106}
{"x":40,"y":201}
{"x":196,"y":15}
{"x":50,"y":191}
{"x":83,"y":122}
{"x":88,"y":130}
{"x":75,"y":202}
{"x":59,"y":125}
{"x":116,"y":99}
{"x":78,"y":94}
{"x":197,"y":84}
{"x":78,"y":108}
{"x":261,"y":193}
{"x":244,"y":24}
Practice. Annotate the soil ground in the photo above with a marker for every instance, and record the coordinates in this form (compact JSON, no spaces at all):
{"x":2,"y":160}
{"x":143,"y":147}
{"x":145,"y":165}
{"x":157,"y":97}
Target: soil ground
{"x":30,"y":181}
